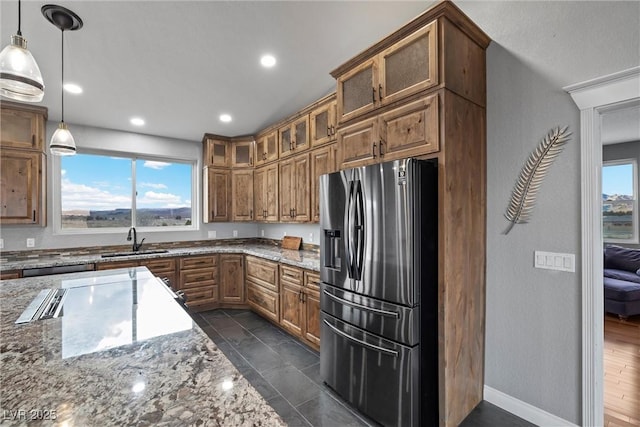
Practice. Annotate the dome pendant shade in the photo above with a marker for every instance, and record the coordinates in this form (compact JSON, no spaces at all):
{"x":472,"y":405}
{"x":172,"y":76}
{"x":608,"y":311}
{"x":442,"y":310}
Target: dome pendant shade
{"x":20,"y":76}
{"x":62,"y":142}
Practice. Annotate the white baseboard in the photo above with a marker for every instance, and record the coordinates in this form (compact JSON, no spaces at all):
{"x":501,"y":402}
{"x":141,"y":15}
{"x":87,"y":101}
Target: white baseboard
{"x":524,"y":410}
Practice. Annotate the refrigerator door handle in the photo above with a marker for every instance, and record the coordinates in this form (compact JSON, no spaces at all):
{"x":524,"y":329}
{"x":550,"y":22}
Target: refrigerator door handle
{"x":359,"y":214}
{"x":360,"y":342}
{"x":350,"y":233}
{"x":362,"y":307}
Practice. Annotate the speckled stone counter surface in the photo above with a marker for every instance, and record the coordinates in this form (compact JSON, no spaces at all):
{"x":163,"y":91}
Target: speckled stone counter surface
{"x":123,"y":353}
{"x":307,"y":259}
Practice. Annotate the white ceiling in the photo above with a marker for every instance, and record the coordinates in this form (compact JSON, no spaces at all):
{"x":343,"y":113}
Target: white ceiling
{"x":180,"y":64}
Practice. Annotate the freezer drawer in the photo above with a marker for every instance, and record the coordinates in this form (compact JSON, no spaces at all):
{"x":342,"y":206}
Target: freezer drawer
{"x":379,"y":377}
{"x":392,"y":321}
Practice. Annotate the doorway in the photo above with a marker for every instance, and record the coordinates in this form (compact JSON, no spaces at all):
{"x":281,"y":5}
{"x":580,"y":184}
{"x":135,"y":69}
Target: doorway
{"x":593,"y":98}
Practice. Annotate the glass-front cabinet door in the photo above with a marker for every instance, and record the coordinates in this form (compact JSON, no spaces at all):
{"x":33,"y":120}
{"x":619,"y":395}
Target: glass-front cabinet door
{"x":356,"y":91}
{"x":409,"y":66}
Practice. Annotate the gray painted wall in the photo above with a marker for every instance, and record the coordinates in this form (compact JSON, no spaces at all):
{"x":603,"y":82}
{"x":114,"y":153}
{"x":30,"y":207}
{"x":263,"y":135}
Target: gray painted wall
{"x":533,"y":325}
{"x":624,"y":150}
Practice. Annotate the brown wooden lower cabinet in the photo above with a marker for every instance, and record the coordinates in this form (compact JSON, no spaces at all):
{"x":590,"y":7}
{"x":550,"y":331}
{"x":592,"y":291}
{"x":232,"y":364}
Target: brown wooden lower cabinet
{"x":199,"y":281}
{"x":164,"y":268}
{"x":300,"y":304}
{"x":232,"y":279}
{"x":116,"y":264}
{"x":262,"y":287}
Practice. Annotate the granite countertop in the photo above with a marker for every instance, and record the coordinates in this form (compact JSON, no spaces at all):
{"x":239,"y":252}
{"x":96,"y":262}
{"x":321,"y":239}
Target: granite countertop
{"x":306,"y":259}
{"x":122,"y":353}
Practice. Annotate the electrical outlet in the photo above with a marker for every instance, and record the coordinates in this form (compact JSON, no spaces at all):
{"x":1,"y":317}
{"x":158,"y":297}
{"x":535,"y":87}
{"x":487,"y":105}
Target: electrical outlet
{"x":31,"y":242}
{"x":1,"y":243}
{"x":212,"y":234}
{"x":235,"y":233}
{"x":311,"y":237}
{"x":285,"y":233}
{"x":262,"y":233}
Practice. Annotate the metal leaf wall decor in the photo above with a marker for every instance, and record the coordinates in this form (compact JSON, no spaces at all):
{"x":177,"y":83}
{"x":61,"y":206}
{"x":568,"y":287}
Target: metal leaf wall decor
{"x":523,"y":196}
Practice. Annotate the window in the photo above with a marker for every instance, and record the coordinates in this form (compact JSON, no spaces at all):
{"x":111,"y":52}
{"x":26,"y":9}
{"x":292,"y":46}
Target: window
{"x":620,"y":201}
{"x":108,"y":192}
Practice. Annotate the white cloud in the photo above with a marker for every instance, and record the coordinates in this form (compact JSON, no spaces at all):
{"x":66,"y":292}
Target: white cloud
{"x":152,"y":185}
{"x":155,"y":165}
{"x":81,"y":196}
{"x":63,"y":172}
{"x":160,"y":199}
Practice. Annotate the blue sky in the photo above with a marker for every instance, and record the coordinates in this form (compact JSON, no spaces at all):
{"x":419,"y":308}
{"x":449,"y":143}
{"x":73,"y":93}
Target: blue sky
{"x":617,"y":179}
{"x":92,"y":182}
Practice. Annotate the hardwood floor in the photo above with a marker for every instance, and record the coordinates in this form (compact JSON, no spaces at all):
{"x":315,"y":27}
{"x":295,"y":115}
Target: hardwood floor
{"x":621,"y":371}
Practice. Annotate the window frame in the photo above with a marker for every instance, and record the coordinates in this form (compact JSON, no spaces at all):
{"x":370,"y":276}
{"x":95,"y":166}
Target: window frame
{"x":635,"y":214}
{"x":133,"y":157}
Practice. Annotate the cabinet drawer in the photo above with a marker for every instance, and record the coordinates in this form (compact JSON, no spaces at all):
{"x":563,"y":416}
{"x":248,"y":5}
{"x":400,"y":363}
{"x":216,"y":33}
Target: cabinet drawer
{"x":264,"y":273}
{"x":117,"y":264}
{"x":263,"y":301}
{"x":198,"y":262}
{"x":201,"y":295}
{"x":312,"y":280}
{"x":199,"y":277}
{"x":160,"y":265}
{"x":291,"y":274}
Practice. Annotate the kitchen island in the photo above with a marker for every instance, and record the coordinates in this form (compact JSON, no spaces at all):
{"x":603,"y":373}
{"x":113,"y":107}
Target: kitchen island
{"x":121,"y":352}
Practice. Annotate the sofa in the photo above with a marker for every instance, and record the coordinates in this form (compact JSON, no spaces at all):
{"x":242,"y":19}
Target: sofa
{"x":622,"y":281}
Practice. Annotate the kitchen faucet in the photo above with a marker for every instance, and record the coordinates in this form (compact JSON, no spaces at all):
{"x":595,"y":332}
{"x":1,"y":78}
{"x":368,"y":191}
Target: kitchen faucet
{"x":136,"y":246}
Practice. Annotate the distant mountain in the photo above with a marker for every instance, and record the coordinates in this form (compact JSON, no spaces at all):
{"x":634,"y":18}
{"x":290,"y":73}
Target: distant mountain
{"x":615,"y":197}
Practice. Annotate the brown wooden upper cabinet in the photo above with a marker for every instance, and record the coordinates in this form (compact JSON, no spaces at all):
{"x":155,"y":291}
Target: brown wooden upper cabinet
{"x":216,"y":151}
{"x":295,"y":203}
{"x":216,"y":202}
{"x":322,"y":162}
{"x":404,"y":68}
{"x":266,"y":148}
{"x":265,"y":197}
{"x":242,"y":195}
{"x":323,"y":123}
{"x":22,"y":127}
{"x":22,"y":164}
{"x":242,"y":152}
{"x":294,"y":136}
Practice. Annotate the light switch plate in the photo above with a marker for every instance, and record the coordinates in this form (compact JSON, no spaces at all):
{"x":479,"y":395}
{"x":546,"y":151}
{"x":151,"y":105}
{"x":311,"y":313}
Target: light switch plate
{"x":554,"y":261}
{"x":235,"y":233}
{"x":262,"y":233}
{"x":31,"y":242}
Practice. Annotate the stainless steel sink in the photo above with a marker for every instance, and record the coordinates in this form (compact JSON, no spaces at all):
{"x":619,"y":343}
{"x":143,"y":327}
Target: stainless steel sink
{"x":131,"y":253}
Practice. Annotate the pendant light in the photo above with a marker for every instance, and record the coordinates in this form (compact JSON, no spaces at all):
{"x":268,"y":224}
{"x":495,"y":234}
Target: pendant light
{"x":62,"y":142}
{"x":20,"y":77}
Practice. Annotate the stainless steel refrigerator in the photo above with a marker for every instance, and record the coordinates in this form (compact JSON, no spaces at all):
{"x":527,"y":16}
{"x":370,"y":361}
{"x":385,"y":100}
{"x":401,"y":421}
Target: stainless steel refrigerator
{"x":379,"y":291}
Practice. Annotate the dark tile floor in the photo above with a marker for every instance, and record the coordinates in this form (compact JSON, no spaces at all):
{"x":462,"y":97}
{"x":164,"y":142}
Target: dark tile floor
{"x":287,"y":373}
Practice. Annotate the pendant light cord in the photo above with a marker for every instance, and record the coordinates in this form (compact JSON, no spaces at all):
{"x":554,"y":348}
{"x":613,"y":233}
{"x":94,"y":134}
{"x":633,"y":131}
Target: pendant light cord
{"x":62,"y":83}
{"x":19,"y":17}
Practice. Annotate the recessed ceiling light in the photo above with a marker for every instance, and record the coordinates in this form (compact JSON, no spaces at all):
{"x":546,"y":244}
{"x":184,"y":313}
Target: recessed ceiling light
{"x":225,"y":118}
{"x":137,"y":121}
{"x":268,"y":61}
{"x":72,"y":88}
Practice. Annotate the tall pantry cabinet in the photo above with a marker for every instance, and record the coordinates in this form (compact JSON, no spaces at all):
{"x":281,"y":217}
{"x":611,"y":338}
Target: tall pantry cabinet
{"x":421,"y":92}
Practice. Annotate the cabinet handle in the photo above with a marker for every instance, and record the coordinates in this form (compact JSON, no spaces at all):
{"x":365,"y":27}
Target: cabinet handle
{"x":373,"y":151}
{"x":380,"y":91}
{"x":328,"y":130}
{"x":294,"y":212}
{"x":34,"y":215}
{"x":33,"y":140}
{"x":264,"y":156}
{"x":380,"y":147}
{"x":251,"y":214}
{"x":300,"y":296}
{"x":333,"y":130}
{"x":373,"y":95}
{"x":264,"y":214}
{"x":250,"y":160}
{"x":304,"y":297}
